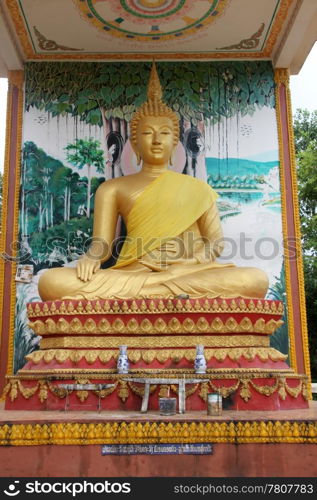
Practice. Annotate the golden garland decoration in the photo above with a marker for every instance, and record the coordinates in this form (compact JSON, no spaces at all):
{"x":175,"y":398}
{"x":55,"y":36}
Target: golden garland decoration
{"x":81,"y":394}
{"x":62,"y":393}
{"x":15,"y":386}
{"x":188,"y":390}
{"x":245,"y":392}
{"x":109,"y":307}
{"x":139,"y":391}
{"x":90,"y":356}
{"x":268,"y":390}
{"x":204,"y":391}
{"x":159,"y":326}
{"x":151,"y":343}
{"x":31,"y":55}
{"x":161,"y":431}
{"x":223,"y":391}
{"x":123,"y":392}
{"x":282,"y":78}
{"x":164,"y":391}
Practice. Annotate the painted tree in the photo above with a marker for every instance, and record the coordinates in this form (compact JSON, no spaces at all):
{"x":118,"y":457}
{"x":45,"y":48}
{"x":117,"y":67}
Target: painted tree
{"x":37,"y":188}
{"x":107,"y":94}
{"x":86,"y":153}
{"x":50,"y":192}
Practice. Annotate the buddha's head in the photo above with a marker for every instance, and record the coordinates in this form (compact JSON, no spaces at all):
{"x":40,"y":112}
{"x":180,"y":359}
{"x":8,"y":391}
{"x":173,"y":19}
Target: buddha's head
{"x":154,"y":127}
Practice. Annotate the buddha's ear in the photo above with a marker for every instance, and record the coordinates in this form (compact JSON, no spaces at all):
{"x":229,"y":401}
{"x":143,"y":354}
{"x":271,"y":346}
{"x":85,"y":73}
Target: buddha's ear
{"x":134,"y":146}
{"x":171,"y":160}
{"x":136,"y":152}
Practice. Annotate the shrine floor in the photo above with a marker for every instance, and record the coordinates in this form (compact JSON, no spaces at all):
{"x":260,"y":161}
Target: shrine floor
{"x":92,"y":415}
{"x":245,"y":443}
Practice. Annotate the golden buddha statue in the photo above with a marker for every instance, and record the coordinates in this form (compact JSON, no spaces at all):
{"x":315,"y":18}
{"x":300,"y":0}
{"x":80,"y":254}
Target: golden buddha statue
{"x":174,"y":233}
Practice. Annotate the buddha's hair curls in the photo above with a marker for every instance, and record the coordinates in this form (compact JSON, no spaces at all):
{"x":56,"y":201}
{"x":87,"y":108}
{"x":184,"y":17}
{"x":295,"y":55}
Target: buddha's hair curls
{"x":154,"y":106}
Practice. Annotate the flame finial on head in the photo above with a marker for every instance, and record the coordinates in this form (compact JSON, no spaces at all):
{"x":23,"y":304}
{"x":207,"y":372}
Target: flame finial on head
{"x":154,"y":106}
{"x":154,"y":90}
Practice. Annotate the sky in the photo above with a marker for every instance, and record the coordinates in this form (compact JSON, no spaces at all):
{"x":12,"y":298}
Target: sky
{"x":303,"y":92}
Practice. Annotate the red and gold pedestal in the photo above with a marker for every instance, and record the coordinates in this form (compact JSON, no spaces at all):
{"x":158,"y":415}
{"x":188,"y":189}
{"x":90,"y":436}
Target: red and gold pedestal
{"x":81,"y":339}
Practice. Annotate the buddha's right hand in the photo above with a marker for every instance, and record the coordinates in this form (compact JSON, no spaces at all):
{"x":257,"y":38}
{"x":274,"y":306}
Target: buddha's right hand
{"x":86,"y":267}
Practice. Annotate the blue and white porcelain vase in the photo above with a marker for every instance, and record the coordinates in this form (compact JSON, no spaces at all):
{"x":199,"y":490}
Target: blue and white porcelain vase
{"x":123,"y":361}
{"x":200,"y":360}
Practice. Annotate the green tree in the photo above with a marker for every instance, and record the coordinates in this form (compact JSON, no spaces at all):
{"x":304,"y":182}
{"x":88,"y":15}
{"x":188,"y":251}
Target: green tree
{"x":305,"y":130}
{"x":307,"y":181}
{"x":86,"y":153}
{"x":279,"y":340}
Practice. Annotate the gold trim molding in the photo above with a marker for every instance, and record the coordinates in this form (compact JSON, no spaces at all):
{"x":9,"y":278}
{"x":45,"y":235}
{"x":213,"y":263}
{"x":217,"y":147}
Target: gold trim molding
{"x":16,"y":78}
{"x":161,"y":431}
{"x":173,"y":342}
{"x":281,"y":77}
{"x":159,"y":326}
{"x":103,"y":373}
{"x":148,"y":356}
{"x":148,"y":306}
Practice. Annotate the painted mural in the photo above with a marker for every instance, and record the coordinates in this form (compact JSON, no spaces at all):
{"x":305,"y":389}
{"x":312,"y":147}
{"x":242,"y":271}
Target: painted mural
{"x":75,"y":136}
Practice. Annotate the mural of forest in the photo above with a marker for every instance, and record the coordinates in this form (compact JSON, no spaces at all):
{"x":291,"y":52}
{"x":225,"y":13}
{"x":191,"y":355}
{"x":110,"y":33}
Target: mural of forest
{"x":76,"y":129}
{"x":56,"y":201}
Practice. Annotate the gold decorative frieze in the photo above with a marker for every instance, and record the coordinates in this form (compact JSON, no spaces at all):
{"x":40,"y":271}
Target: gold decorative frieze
{"x":104,"y":373}
{"x":148,"y":356}
{"x":161,"y":431}
{"x":174,"y":342}
{"x":157,"y":326}
{"x":152,"y":306}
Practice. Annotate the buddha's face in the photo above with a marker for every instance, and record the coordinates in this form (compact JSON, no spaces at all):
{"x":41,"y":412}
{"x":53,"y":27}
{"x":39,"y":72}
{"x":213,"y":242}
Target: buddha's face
{"x":155,"y":140}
